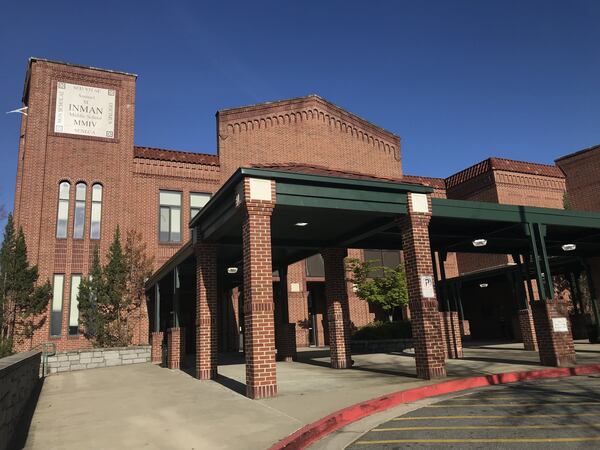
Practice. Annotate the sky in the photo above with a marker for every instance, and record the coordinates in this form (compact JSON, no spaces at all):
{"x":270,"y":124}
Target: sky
{"x":458,"y":81}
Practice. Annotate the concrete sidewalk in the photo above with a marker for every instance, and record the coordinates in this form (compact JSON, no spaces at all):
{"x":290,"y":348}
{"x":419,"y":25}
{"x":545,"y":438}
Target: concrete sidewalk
{"x":146,"y":406}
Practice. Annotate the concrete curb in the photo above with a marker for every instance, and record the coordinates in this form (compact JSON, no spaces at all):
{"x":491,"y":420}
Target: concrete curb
{"x":328,"y":424}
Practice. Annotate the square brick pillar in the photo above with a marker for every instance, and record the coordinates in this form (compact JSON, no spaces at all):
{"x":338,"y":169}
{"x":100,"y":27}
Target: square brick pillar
{"x":527,"y":329}
{"x":176,"y":350}
{"x":156,"y":343}
{"x":425,"y":318}
{"x":338,"y":311}
{"x":206,"y":311}
{"x":451,"y":333}
{"x":556,"y":347}
{"x":259,"y":321}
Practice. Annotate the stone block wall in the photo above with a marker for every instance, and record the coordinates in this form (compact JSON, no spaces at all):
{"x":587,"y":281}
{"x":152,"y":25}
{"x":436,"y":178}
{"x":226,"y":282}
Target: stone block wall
{"x":98,"y":357}
{"x":19,"y":376}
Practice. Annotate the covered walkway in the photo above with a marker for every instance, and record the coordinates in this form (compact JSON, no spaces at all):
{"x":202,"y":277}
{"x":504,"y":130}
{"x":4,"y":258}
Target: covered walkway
{"x":262,"y":220}
{"x":145,"y":406}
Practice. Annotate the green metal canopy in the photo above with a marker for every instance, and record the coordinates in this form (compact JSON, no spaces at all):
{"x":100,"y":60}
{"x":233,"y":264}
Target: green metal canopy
{"x":360,"y":212}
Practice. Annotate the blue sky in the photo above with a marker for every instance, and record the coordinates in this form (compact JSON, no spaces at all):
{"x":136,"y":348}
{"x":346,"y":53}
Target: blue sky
{"x":458,"y":80}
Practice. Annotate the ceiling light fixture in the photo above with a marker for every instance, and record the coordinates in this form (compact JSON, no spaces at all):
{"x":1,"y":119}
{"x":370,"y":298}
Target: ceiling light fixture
{"x":301,"y":224}
{"x":232,"y":270}
{"x":479,"y":242}
{"x":483,"y":285}
{"x":569,"y":247}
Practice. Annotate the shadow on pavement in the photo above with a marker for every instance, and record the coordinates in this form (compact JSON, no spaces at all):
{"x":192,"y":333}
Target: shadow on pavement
{"x":22,"y":429}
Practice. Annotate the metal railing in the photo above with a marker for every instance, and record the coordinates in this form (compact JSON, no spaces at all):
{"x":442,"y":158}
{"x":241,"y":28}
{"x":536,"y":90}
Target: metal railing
{"x":47,"y":349}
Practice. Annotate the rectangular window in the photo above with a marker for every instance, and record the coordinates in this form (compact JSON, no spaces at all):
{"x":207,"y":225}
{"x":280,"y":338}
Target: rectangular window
{"x":315,"y":266}
{"x":79,"y":221}
{"x":74,"y":306}
{"x":170,"y":216}
{"x":96,"y":215}
{"x":197,"y":202}
{"x":382,"y":258}
{"x":57,"y":301}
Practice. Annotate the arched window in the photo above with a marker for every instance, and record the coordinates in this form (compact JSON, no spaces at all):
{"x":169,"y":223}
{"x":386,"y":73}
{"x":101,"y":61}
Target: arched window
{"x":96,"y":211}
{"x":62,"y":219}
{"x":79,"y":221}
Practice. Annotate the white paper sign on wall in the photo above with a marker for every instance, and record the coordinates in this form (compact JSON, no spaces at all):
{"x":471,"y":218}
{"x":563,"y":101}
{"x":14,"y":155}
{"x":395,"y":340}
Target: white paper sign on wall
{"x":559,"y":324}
{"x":427,"y":287}
{"x":295,"y":287}
{"x":85,"y":110}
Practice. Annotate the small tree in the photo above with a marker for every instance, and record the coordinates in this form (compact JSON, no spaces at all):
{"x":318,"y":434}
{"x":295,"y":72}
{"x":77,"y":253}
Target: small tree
{"x":113,"y":292}
{"x":139,"y":268}
{"x":92,"y":302}
{"x":22,"y":300}
{"x":388,"y":291}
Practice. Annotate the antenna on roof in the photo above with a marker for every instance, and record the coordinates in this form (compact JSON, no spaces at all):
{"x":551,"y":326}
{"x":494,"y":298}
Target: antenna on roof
{"x":22,"y":110}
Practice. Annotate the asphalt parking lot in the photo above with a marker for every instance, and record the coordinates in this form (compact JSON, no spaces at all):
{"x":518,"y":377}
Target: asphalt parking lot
{"x":557,"y":413}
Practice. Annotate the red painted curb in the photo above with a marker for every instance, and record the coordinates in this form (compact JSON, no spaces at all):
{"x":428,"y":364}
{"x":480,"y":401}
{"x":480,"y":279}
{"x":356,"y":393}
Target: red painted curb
{"x":328,"y":424}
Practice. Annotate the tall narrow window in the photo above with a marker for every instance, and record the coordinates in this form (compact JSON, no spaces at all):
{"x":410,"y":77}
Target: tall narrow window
{"x":197,"y":202}
{"x":95,"y":222}
{"x":62,"y":219}
{"x":74,"y":306}
{"x":57,"y":301}
{"x":170,"y":216}
{"x":79,"y":221}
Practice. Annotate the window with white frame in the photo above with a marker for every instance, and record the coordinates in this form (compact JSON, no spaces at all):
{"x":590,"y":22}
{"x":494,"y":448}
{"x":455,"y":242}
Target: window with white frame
{"x":197,"y":202}
{"x":62,"y":219}
{"x":96,"y":216}
{"x":74,"y":306}
{"x":170,"y":216}
{"x":79,"y":220}
{"x":57,"y":301}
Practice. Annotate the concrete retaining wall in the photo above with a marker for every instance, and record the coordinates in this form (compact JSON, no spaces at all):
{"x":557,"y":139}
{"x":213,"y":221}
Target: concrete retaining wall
{"x":381,"y":346}
{"x":97,"y":357}
{"x":19,"y":376}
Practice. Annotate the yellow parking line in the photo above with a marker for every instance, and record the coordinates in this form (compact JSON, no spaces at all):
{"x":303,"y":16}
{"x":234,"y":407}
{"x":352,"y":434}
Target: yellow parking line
{"x":479,"y":441}
{"x":485,"y":427}
{"x":512,"y":405}
{"x":494,"y":416}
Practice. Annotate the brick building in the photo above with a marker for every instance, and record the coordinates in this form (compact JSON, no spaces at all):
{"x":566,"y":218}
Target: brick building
{"x":80,"y":175}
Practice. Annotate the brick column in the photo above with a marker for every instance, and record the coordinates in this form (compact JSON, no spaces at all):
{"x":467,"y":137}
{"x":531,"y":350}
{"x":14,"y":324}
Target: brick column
{"x":206,"y":311}
{"x":156,"y":342}
{"x":338,"y":312}
{"x":425,"y":319}
{"x":527,"y":329}
{"x":261,"y":376}
{"x":451,"y":333}
{"x":175,"y":341}
{"x":556,"y":348}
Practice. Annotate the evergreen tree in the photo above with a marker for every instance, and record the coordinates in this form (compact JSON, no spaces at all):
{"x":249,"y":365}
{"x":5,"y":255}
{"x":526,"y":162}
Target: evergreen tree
{"x":21,"y":299}
{"x":92,"y":302}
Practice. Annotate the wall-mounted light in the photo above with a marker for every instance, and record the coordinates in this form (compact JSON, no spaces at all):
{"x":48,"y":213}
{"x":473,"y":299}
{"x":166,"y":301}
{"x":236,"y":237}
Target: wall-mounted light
{"x":483,"y":285}
{"x":232,"y":270}
{"x":479,"y":242}
{"x":568,"y":247}
{"x":301,"y":224}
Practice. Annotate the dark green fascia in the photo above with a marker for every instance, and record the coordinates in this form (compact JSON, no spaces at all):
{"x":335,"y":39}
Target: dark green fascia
{"x":466,"y":209}
{"x":317,"y":191}
{"x":326,"y":179}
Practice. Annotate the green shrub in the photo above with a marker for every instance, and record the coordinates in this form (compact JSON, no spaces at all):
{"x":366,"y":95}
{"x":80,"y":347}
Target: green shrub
{"x":383,"y":330}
